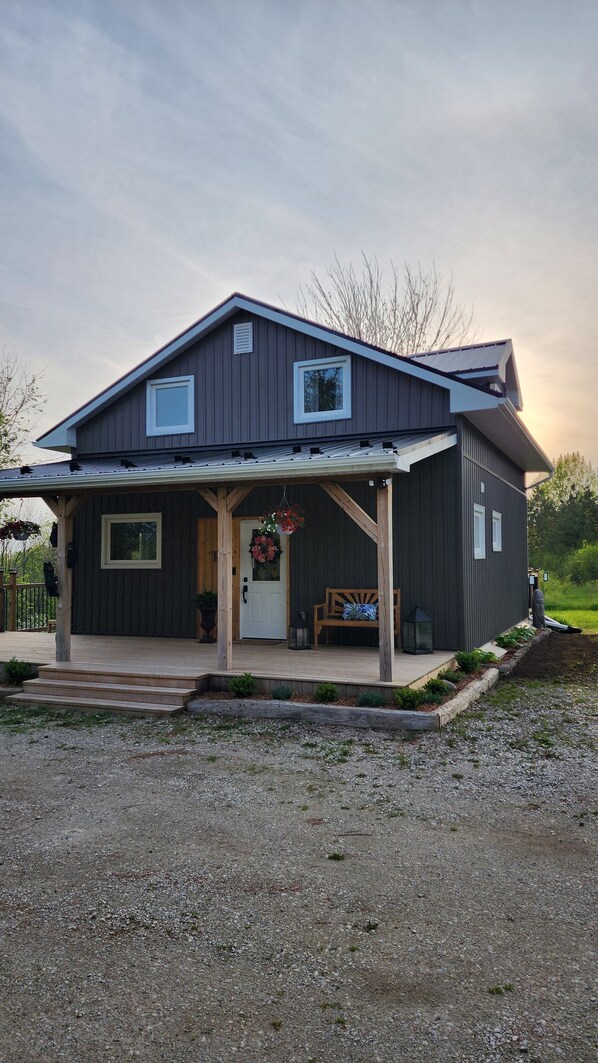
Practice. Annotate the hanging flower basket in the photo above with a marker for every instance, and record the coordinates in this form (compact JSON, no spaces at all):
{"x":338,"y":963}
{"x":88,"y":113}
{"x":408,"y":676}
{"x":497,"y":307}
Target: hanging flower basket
{"x":19,"y":530}
{"x":264,"y":548}
{"x":285,"y":520}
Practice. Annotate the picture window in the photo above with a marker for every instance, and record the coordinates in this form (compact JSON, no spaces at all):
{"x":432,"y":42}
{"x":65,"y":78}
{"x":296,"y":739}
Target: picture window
{"x":322,"y":390}
{"x":170,"y":406}
{"x":132,"y":540}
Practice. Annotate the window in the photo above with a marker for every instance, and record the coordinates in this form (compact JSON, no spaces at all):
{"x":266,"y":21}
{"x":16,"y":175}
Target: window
{"x":170,"y":406}
{"x":243,"y":337}
{"x":322,"y":390}
{"x":479,"y":532}
{"x":131,"y":540}
{"x":496,"y":531}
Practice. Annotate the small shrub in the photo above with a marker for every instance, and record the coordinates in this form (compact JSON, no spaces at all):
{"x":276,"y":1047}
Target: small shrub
{"x":243,"y":686}
{"x":453,"y":675}
{"x":435,"y":686}
{"x":16,"y":671}
{"x":471,"y":662}
{"x":407,"y":698}
{"x":371,"y":699}
{"x":282,"y":693}
{"x":325,"y":693}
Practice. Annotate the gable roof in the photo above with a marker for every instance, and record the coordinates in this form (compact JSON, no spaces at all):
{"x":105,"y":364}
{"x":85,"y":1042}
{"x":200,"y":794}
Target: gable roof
{"x":486,"y":363}
{"x":464,"y":395}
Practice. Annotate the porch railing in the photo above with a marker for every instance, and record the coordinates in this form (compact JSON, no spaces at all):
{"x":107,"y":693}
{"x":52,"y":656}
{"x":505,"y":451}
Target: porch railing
{"x":24,"y":606}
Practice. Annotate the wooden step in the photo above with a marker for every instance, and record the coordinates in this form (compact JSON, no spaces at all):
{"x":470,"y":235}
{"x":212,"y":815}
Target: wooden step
{"x":123,"y":708}
{"x":100,"y":675}
{"x":107,"y":691}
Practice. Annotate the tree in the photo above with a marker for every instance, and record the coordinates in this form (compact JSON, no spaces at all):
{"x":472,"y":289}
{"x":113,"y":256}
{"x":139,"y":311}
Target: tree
{"x":413,"y":312}
{"x":563,"y":513}
{"x":20,"y":401}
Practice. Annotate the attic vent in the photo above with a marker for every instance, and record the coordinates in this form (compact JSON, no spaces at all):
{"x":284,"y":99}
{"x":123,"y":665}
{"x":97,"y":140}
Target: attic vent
{"x":243,"y":338}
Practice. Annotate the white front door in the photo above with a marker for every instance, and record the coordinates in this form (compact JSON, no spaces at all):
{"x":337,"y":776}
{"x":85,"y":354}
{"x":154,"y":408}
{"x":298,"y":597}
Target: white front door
{"x":263,"y":606}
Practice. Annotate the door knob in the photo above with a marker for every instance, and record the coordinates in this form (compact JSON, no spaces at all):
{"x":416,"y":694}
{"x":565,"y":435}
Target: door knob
{"x":244,"y":591}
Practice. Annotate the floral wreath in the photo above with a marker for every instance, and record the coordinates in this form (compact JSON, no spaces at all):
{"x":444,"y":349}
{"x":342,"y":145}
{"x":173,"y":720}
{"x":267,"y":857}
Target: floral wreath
{"x":263,"y":548}
{"x":19,"y":529}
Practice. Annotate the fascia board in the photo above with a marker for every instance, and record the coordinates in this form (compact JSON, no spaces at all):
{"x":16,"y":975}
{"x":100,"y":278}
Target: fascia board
{"x":510,"y":435}
{"x":248,"y":472}
{"x":463,"y":397}
{"x":426,"y":449}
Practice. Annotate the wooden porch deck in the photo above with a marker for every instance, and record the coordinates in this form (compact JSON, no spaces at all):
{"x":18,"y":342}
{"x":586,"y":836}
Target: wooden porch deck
{"x":354,"y":666}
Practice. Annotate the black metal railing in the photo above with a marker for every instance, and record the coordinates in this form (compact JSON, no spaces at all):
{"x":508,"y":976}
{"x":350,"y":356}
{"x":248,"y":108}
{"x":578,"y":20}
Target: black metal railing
{"x":25,"y":606}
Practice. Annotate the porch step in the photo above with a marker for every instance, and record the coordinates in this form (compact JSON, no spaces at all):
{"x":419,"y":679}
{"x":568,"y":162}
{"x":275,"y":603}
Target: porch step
{"x":122,"y":692}
{"x":108,"y":676}
{"x":122,"y":708}
{"x":99,"y":690}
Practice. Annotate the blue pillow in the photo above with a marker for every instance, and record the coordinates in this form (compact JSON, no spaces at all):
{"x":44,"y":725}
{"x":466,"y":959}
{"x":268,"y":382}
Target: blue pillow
{"x":359,"y":611}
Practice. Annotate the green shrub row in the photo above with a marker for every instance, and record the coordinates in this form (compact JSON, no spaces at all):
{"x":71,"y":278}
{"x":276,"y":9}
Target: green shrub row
{"x":514,"y":638}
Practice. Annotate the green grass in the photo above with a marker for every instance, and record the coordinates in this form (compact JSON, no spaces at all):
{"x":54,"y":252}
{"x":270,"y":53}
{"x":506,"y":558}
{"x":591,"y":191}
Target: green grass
{"x":578,"y":605}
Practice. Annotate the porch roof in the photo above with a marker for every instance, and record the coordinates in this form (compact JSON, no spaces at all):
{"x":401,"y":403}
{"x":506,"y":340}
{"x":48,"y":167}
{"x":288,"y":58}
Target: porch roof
{"x":358,"y":457}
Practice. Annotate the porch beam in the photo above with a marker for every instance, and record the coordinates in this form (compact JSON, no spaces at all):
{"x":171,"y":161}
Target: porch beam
{"x":237,"y":495}
{"x":224,"y":652}
{"x":208,"y":496}
{"x":385,"y":580}
{"x":351,"y":508}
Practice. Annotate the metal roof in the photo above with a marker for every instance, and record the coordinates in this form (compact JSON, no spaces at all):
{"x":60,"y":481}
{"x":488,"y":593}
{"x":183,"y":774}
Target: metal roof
{"x":489,"y":356}
{"x":387,"y":454}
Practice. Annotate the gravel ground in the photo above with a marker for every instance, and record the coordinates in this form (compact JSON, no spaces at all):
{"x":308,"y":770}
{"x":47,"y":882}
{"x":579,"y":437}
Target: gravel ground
{"x":206,"y":891}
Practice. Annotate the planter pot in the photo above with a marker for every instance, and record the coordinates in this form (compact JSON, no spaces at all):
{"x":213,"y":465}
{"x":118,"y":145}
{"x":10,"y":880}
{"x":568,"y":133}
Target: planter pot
{"x":208,"y":623}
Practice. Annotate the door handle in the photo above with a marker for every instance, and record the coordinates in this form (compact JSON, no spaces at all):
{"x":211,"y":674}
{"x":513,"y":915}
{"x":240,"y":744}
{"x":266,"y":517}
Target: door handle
{"x":244,"y":592}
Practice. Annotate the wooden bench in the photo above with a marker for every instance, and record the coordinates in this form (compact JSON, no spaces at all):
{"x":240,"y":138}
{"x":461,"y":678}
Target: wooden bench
{"x":330,"y":613}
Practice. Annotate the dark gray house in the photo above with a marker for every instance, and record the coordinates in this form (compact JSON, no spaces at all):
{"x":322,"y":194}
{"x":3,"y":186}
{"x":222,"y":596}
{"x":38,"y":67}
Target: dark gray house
{"x":410,"y":472}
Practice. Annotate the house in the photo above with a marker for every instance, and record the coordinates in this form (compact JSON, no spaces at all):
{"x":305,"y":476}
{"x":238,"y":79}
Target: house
{"x":410,"y":471}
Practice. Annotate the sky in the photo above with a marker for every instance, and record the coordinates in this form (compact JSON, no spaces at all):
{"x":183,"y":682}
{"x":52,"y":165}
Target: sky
{"x":155,"y":157}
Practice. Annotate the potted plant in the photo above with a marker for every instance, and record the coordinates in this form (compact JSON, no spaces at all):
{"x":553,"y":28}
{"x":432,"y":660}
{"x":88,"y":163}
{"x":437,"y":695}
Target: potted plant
{"x":284,"y":520}
{"x":207,"y":603}
{"x":19,"y":530}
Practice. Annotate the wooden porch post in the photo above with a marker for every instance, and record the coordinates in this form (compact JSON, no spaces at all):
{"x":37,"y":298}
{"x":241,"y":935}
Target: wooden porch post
{"x":64,"y":509}
{"x":385,"y":581}
{"x":225,"y":583}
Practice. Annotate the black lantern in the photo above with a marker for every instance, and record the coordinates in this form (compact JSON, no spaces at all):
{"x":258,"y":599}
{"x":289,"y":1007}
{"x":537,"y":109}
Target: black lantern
{"x":417,"y":632}
{"x":299,"y":636}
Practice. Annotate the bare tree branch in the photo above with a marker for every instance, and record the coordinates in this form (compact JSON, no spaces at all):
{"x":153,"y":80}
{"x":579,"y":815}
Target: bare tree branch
{"x":410,"y":313}
{"x":20,"y":401}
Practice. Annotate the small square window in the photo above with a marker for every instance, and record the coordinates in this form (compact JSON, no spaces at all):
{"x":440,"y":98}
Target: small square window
{"x":479,"y":532}
{"x":322,"y":390}
{"x":496,"y":531}
{"x":131,"y":540}
{"x":170,"y":406}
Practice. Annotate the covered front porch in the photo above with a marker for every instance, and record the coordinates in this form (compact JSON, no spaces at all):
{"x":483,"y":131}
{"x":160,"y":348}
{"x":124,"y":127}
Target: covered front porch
{"x":351,"y":668}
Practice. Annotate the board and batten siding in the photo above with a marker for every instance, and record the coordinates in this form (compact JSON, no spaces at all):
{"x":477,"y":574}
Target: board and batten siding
{"x":331,"y":551}
{"x":495,"y":593}
{"x":248,"y":398}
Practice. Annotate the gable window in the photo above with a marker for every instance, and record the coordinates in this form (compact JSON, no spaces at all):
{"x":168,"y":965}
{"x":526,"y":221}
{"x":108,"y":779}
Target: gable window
{"x":132,"y":540}
{"x":479,"y":532}
{"x":243,"y":337}
{"x":170,"y":406}
{"x":322,"y":389}
{"x":496,"y":531}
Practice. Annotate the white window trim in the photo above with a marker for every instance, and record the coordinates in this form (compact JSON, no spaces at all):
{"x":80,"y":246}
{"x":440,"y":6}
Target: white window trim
{"x":108,"y":519}
{"x":152,"y":387}
{"x":479,"y":522}
{"x":301,"y":417}
{"x":496,"y":531}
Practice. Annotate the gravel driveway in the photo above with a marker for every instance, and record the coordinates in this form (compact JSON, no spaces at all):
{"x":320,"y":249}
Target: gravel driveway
{"x":203,"y":891}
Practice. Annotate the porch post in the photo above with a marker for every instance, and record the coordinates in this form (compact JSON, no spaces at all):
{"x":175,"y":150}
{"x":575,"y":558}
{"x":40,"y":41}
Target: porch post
{"x":385,"y":580}
{"x":225,"y":583}
{"x":64,"y":602}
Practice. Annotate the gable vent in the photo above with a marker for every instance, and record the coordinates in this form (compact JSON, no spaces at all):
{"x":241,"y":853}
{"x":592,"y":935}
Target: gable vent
{"x":243,"y":338}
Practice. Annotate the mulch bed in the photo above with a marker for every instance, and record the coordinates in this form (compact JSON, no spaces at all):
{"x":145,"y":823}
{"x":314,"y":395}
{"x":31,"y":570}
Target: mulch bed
{"x":573,"y":657}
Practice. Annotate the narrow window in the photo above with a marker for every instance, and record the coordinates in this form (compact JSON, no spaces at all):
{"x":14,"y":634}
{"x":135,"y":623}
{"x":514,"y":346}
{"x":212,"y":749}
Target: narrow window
{"x":131,"y":540}
{"x":479,"y":532}
{"x":243,"y":337}
{"x":170,"y":406}
{"x":322,"y":390}
{"x":496,"y":531}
